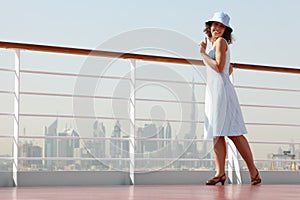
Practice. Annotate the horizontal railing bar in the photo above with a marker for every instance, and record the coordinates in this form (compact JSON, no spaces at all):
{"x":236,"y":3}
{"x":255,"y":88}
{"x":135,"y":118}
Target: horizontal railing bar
{"x":72,"y":95}
{"x":156,"y":80}
{"x":275,"y":160}
{"x":80,"y":51}
{"x":72,"y":74}
{"x":70,"y":116}
{"x":147,"y":79}
{"x":144,"y":139}
{"x":169,"y":81}
{"x":141,"y":139}
{"x":265,"y":68}
{"x":168,"y":120}
{"x":97,"y":117}
{"x":7,"y":92}
{"x":267,"y":88}
{"x":140,"y":99}
{"x":72,"y":138}
{"x":106,"y":97}
{"x":111,"y":138}
{"x":174,"y":159}
{"x":71,"y":158}
{"x":152,"y":80}
{"x":141,"y":159}
{"x":148,"y":159}
{"x":6,"y":158}
{"x":6,"y":136}
{"x":144,"y":119}
{"x":168,"y":101}
{"x":107,"y":77}
{"x":6,"y":114}
{"x":7,"y":70}
{"x":272,"y":124}
{"x":266,"y":106}
{"x":202,"y":102}
{"x":191,"y":121}
{"x":170,"y":140}
{"x":113,"y":159}
{"x":276,"y":142}
{"x":90,"y":52}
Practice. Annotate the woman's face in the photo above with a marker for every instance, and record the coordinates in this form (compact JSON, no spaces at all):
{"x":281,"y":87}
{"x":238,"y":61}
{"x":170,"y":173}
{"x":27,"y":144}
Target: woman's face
{"x":217,"y":30}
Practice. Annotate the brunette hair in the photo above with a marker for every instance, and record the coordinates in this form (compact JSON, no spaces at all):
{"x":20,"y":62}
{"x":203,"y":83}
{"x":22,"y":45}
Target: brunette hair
{"x":226,"y":35}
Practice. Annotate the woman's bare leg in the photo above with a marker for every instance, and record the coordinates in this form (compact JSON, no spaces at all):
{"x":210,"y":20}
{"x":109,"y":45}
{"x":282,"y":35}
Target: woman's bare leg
{"x":244,"y":149}
{"x":219,"y":155}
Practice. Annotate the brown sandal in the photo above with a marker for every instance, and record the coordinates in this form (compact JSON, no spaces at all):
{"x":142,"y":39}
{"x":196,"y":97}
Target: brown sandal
{"x":216,"y":180}
{"x":256,"y":180}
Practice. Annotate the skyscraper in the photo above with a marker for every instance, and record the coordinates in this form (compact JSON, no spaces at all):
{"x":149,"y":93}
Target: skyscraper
{"x":75,"y":143}
{"x":63,"y":150}
{"x":66,"y":146}
{"x":190,"y":146}
{"x":50,"y":150}
{"x":168,"y":135}
{"x":98,"y":149}
{"x":150,"y":132}
{"x":29,"y":150}
{"x":139,"y":143}
{"x":115,"y":144}
{"x":161,"y":135}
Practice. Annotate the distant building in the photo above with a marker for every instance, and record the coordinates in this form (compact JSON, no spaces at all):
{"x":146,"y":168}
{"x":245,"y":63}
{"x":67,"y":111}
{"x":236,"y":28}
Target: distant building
{"x":278,"y":161}
{"x":168,"y":144}
{"x":190,"y":146}
{"x":125,"y":146}
{"x":115,"y":143}
{"x":66,"y":146}
{"x":204,"y":153}
{"x":50,"y":148}
{"x":98,"y":149}
{"x":29,"y":150}
{"x":177,"y":153}
{"x":150,"y":134}
{"x":139,"y":143}
{"x":161,"y":135}
{"x":115,"y":147}
{"x":75,"y":143}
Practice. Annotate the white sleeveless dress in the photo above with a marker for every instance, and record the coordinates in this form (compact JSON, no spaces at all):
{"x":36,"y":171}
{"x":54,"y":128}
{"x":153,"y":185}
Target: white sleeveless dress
{"x":223,"y":115}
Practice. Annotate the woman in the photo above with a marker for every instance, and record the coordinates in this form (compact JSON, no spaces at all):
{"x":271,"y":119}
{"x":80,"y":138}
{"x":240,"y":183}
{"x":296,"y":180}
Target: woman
{"x":223,"y":116}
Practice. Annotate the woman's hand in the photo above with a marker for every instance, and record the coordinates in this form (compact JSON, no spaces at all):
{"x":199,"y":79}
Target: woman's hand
{"x":218,"y":62}
{"x":203,"y":46}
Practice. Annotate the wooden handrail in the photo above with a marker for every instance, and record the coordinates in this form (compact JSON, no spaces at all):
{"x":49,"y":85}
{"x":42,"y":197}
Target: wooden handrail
{"x":266,"y":68}
{"x":79,"y":51}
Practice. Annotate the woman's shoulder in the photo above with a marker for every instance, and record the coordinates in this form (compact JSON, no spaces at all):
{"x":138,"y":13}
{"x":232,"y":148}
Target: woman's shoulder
{"x":221,"y":42}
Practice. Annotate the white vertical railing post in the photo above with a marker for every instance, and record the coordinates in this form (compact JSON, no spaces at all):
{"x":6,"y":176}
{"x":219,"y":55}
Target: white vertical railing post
{"x":232,"y":155}
{"x":234,"y":173}
{"x":132,"y":121}
{"x":16,"y":117}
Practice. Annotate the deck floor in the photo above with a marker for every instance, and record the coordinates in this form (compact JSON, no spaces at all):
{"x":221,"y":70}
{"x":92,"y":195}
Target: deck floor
{"x":156,"y":192}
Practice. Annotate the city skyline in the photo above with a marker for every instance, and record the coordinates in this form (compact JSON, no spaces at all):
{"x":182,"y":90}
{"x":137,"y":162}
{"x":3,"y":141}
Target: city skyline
{"x":64,"y":143}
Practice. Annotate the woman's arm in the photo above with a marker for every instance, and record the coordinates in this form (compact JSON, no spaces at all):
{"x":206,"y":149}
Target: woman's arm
{"x":219,"y":63}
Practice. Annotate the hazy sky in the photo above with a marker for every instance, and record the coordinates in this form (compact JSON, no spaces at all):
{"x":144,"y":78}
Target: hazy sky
{"x":266,"y":32}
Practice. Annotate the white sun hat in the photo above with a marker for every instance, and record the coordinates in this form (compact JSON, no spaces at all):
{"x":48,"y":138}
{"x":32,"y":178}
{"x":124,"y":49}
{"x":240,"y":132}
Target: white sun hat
{"x":221,"y":17}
